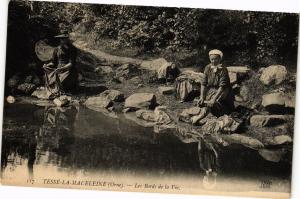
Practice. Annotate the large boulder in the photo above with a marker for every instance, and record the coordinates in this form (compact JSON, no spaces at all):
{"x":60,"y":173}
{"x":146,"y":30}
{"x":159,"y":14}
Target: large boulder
{"x":267,"y":120}
{"x":98,"y":102}
{"x":273,"y":74}
{"x":141,"y":100}
{"x":113,"y":95}
{"x":126,"y":71}
{"x":154,"y":65}
{"x":278,"y":102}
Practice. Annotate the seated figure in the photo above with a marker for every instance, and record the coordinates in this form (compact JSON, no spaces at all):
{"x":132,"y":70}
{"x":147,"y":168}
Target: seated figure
{"x":61,"y":75}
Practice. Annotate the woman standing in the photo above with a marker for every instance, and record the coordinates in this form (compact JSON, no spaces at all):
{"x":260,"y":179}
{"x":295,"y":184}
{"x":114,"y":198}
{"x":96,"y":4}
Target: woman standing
{"x":216,"y":92}
{"x":60,"y":74}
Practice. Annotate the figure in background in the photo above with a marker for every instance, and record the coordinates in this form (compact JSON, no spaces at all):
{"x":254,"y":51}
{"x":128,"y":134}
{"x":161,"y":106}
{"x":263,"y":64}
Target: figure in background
{"x":168,"y":72}
{"x":61,"y":76}
{"x":215,"y":93}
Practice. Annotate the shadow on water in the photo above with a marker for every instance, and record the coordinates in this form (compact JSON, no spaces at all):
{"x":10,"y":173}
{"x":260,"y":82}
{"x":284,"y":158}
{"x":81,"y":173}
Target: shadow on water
{"x":77,"y":138}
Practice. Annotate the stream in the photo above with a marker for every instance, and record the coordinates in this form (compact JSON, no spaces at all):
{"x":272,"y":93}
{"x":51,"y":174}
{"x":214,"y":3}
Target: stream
{"x":46,"y":142}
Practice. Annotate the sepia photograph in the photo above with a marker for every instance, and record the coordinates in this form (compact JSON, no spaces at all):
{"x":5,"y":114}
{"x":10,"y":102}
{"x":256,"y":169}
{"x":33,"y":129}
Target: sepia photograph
{"x":149,"y":99}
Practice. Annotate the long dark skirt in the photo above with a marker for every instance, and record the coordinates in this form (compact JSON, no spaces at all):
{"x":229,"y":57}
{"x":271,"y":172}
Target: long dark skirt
{"x":60,"y":82}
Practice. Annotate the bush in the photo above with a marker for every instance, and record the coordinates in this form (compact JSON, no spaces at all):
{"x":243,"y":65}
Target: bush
{"x":247,"y":38}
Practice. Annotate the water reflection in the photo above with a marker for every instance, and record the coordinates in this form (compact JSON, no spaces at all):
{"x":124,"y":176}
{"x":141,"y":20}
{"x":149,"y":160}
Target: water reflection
{"x":209,"y":162}
{"x":77,"y":139}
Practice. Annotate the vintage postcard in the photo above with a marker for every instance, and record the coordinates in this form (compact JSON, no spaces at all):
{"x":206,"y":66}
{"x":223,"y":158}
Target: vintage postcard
{"x":149,"y":99}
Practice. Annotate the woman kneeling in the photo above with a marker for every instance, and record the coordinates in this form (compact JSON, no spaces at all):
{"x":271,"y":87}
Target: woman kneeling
{"x":216,"y":92}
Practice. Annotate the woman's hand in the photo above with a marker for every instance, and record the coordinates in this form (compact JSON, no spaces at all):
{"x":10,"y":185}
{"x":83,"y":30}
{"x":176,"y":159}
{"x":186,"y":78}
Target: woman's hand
{"x":200,"y":101}
{"x":211,"y":102}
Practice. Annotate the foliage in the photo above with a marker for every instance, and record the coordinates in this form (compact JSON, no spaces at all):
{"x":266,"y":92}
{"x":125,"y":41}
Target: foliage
{"x":247,"y":38}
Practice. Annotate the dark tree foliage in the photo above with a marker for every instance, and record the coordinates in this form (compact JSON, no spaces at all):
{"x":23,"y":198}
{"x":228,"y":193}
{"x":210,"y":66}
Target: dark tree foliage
{"x":247,"y":38}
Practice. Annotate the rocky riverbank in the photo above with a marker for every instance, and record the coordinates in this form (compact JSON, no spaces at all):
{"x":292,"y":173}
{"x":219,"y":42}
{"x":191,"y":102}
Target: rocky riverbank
{"x":263,"y":119}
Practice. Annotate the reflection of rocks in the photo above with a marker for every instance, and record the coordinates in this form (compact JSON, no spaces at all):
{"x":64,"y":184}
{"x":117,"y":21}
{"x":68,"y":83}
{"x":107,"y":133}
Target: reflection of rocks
{"x":273,"y":155}
{"x":273,"y":74}
{"x":141,"y":100}
{"x":278,"y":102}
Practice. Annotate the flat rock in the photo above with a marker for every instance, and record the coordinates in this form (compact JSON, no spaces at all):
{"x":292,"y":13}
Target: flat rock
{"x":233,"y":77}
{"x":282,"y":139}
{"x":267,"y":120}
{"x":278,"y":102}
{"x":135,"y":80}
{"x":98,"y":102}
{"x":274,"y":74}
{"x":62,"y":100}
{"x":166,"y":90}
{"x":141,"y":100}
{"x":238,"y":69}
{"x":113,"y":95}
{"x":40,"y":93}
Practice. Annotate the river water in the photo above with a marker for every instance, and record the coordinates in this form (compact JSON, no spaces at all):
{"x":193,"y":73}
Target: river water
{"x":51,"y":146}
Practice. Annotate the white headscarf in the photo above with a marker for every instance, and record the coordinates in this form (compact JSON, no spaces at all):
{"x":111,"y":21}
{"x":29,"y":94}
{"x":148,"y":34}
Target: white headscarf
{"x":216,"y":52}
